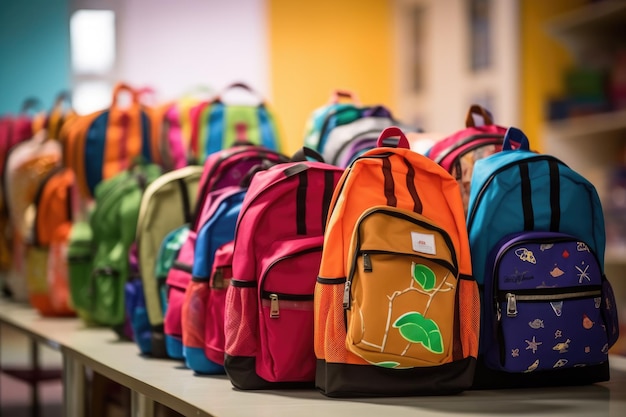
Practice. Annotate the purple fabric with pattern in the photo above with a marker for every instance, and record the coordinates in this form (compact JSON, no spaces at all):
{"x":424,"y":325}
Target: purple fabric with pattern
{"x":548,"y":310}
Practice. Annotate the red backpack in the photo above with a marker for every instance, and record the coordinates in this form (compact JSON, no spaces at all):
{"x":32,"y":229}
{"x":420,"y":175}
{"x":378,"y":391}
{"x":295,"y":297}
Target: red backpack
{"x":276,"y":258}
{"x":222,"y":169}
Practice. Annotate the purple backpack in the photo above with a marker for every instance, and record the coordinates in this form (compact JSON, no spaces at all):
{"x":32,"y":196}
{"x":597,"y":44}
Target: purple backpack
{"x":551,"y":309}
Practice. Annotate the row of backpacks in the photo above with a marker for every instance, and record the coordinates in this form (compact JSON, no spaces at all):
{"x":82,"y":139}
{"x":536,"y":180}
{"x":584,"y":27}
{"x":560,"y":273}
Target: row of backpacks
{"x":380,"y":272}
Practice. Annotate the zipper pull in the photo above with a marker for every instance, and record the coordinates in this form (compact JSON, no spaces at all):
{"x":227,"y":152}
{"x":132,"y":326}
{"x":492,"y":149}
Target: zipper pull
{"x":274,"y":310}
{"x":218,"y":278}
{"x":367,"y":262}
{"x":511,"y":305}
{"x":346,"y":296}
{"x":498,"y":312}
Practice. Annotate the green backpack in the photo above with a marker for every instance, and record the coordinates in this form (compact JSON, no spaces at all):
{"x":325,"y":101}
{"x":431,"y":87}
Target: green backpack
{"x":99,"y":264}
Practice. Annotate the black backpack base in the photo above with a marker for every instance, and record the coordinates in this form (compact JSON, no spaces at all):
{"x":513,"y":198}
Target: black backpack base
{"x":358,"y":381}
{"x":486,"y":378}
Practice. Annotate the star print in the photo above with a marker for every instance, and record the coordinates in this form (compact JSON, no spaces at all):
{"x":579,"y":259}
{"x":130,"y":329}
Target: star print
{"x":583,"y":274}
{"x":558,"y":334}
{"x":534,"y":345}
{"x":515,"y":353}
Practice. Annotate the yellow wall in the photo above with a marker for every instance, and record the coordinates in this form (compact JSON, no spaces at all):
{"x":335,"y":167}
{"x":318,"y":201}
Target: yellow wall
{"x":318,"y":46}
{"x":543,"y":60}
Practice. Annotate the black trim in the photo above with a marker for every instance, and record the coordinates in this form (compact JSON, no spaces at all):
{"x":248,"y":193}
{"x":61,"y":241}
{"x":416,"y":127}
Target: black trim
{"x":555,"y":196}
{"x":329,"y":189}
{"x":332,"y":281}
{"x":526,"y":190}
{"x":182,"y":184}
{"x":303,"y":181}
{"x":242,"y":284}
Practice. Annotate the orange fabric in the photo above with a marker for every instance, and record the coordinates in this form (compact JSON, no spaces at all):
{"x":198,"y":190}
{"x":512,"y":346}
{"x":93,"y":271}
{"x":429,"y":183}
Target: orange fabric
{"x":47,"y":271}
{"x":361,"y":187}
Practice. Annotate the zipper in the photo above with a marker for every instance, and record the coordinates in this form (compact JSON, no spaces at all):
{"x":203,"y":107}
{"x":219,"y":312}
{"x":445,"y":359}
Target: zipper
{"x":453,"y":267}
{"x":276,"y":297}
{"x":542,"y":295}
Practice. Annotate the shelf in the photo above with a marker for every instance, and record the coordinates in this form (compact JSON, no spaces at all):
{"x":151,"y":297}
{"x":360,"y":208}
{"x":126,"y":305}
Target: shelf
{"x":588,"y":125}
{"x":592,"y":33}
{"x":590,"y":19}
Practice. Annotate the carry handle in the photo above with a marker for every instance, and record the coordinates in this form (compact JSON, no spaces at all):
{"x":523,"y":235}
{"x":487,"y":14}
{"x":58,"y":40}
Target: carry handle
{"x":338,"y":95}
{"x":242,"y":86}
{"x":515,"y":135}
{"x":477,"y":109}
{"x":30,"y":103}
{"x":305,"y":153}
{"x":123,"y":87}
{"x":392,"y":132}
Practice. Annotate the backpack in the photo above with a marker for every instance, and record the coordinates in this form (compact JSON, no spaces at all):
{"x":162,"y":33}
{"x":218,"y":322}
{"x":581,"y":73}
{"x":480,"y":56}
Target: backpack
{"x":346,"y":142}
{"x":27,"y":164}
{"x":175,"y":133}
{"x":104,"y":143}
{"x":222,"y":169}
{"x":396,"y":306}
{"x":458,"y":152}
{"x":268,"y":319}
{"x":537,"y":237}
{"x":201,"y":305}
{"x":325,"y":117}
{"x":46,"y":261}
{"x":100,"y":269}
{"x":219,"y":124}
{"x":173,"y":193}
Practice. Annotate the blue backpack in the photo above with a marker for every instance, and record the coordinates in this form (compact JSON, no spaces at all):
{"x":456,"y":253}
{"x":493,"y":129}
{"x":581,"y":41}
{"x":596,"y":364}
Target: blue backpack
{"x":537,"y":239}
{"x":215,"y":233}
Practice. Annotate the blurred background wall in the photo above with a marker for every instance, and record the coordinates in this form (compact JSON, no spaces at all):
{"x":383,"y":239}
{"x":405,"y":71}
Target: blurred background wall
{"x":414,"y":56}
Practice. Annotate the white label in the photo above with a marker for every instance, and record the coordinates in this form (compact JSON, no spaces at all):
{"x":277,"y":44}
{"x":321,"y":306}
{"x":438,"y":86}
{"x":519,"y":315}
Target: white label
{"x":423,"y":243}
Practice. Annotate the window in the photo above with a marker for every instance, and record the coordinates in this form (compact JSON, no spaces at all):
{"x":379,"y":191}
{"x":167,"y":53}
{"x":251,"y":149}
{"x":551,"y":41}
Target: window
{"x":92,"y":40}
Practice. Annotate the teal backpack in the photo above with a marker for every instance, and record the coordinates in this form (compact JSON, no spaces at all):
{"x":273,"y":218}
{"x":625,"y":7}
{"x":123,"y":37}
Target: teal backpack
{"x":98,"y":251}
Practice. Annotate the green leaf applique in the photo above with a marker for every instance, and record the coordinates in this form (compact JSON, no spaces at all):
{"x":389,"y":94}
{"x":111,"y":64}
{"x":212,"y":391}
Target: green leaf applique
{"x":416,"y":328}
{"x":423,"y":275}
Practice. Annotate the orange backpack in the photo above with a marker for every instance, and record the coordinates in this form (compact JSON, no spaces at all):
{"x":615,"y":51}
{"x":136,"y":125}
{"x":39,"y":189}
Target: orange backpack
{"x":46,"y":254}
{"x":396,"y":306}
{"x":100,"y":145}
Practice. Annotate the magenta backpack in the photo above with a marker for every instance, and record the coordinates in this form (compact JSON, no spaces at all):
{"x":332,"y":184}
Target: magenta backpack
{"x":458,"y":152}
{"x":225,"y":168}
{"x":276,"y":259}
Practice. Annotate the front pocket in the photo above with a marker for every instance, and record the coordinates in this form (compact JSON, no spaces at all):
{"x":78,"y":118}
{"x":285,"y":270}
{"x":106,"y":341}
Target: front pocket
{"x":547,"y":304}
{"x":287,"y":283}
{"x":400,"y":296}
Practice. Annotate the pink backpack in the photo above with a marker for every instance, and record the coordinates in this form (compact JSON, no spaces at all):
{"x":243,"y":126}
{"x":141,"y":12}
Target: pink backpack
{"x":222,"y":169}
{"x":276,"y":259}
{"x":458,"y":152}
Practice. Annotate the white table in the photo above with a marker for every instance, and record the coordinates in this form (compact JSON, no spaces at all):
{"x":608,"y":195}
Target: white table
{"x":169,"y":383}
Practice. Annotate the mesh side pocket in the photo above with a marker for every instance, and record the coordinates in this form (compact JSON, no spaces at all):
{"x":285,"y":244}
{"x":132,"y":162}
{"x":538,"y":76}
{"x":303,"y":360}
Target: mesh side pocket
{"x":330,"y":330}
{"x":469,"y":317}
{"x":193,"y":314}
{"x":240,"y":321}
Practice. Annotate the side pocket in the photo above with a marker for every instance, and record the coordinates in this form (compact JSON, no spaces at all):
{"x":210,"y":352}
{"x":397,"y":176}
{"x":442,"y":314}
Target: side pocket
{"x":80,"y":264}
{"x":214,"y":339}
{"x":240,"y":319}
{"x":609,"y":312}
{"x":193,"y":319}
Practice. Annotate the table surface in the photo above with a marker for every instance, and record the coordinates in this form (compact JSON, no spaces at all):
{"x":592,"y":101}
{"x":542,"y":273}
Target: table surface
{"x":170,"y":383}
